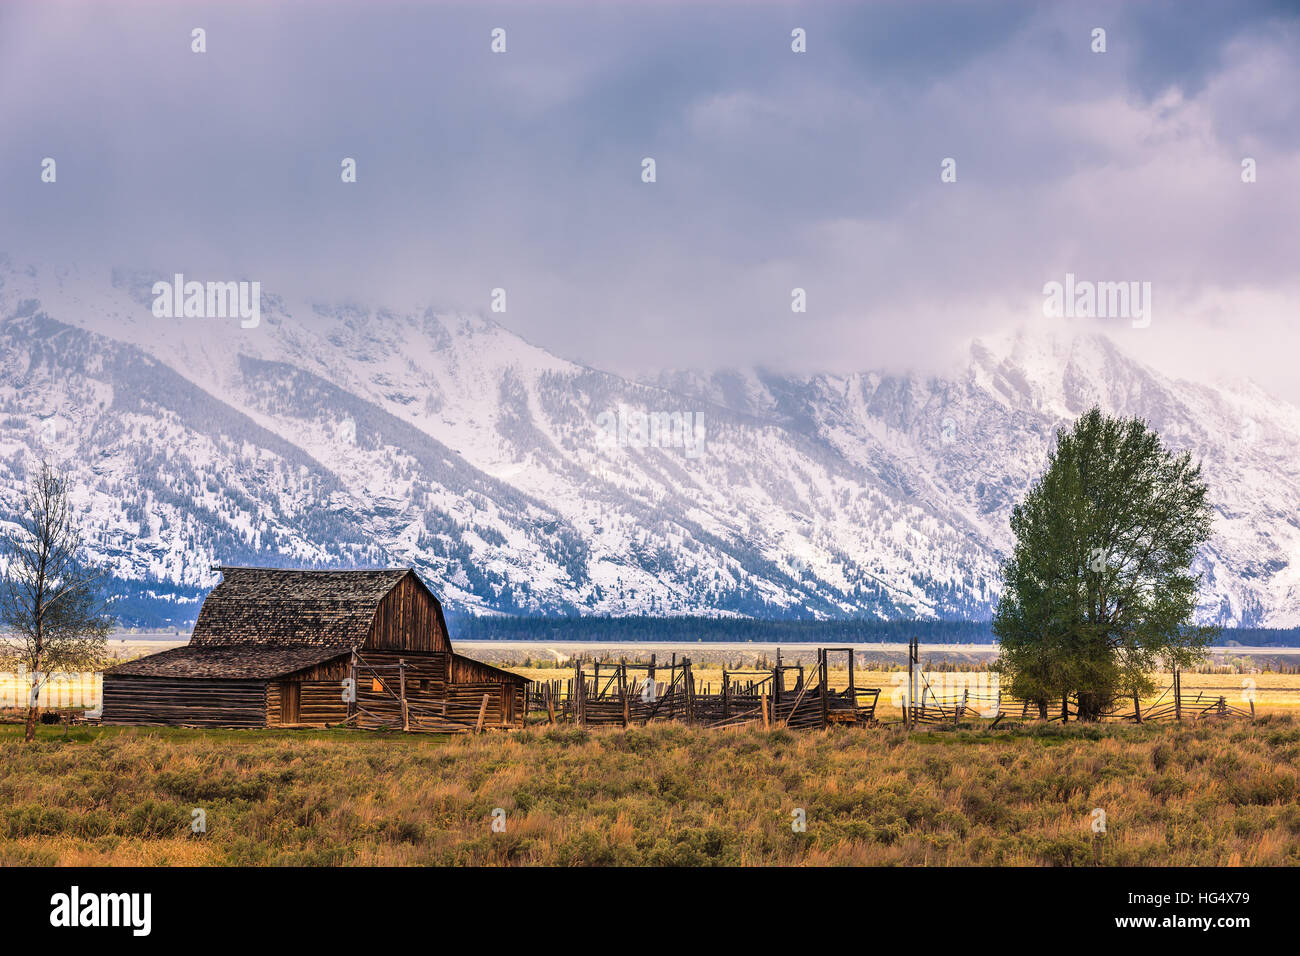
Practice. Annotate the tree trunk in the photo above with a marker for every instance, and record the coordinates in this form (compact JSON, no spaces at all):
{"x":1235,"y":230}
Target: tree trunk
{"x":33,"y":708}
{"x":1092,"y":705}
{"x":34,"y":695}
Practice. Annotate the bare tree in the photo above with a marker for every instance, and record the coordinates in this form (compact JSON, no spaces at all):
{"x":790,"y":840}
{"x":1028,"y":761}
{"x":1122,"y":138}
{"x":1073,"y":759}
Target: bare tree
{"x":47,"y":596}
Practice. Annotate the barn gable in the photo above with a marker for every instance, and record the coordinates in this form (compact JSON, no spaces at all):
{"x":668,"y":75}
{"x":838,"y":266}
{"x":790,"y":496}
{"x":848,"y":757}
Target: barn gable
{"x":408,"y":618}
{"x":271,"y":647}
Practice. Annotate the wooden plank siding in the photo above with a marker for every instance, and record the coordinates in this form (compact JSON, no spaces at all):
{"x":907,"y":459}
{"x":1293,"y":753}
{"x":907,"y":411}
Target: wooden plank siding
{"x":181,"y":702}
{"x":321,"y":703}
{"x":408,"y":618}
{"x":432,"y":695}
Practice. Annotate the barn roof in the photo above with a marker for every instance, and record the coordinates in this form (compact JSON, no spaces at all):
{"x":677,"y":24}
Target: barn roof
{"x":261,"y":623}
{"x":248,"y":662}
{"x":270,"y":607}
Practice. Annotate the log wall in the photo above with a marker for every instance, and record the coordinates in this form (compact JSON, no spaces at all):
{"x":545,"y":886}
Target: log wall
{"x":434,"y":701}
{"x":183,"y":702}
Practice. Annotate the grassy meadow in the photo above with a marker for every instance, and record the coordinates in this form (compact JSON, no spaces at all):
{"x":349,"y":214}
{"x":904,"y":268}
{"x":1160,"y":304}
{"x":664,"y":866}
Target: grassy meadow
{"x":1174,"y":795}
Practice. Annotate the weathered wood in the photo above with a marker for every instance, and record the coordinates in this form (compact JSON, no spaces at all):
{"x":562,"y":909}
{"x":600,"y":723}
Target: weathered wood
{"x":408,"y":618}
{"x":180,"y":702}
{"x":287,"y":640}
{"x":401,"y":675}
{"x":823,"y":681}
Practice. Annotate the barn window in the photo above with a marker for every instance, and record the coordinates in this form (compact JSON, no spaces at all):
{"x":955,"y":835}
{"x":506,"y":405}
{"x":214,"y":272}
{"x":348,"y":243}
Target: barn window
{"x":424,"y":687}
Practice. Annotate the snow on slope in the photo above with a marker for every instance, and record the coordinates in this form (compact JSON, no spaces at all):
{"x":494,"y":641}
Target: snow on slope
{"x":340,"y":435}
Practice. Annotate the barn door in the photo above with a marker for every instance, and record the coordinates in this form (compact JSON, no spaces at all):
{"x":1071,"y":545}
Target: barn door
{"x":289,"y":697}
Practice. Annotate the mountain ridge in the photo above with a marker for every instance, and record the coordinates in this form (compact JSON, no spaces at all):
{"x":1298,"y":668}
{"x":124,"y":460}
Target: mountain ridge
{"x":344,"y":435}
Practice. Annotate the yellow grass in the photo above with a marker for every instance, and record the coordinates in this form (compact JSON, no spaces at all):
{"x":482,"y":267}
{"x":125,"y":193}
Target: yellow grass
{"x":1213,"y":795}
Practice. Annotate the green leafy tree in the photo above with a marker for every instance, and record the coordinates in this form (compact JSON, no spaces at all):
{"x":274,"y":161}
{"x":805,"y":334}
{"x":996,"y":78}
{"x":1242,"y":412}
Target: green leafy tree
{"x":1099,"y":589}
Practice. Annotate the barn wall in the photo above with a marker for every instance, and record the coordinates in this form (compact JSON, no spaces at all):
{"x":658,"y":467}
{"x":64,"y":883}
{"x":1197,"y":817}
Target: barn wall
{"x":427,"y":667}
{"x":428,"y":681}
{"x":407,"y":619}
{"x":334,"y":669}
{"x":175,"y":701}
{"x":322,"y":703}
{"x":466,"y":670}
{"x":464,"y":701}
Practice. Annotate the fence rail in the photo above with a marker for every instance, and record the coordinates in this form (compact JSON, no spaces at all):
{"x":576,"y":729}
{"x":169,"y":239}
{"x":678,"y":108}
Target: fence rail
{"x":631,"y":693}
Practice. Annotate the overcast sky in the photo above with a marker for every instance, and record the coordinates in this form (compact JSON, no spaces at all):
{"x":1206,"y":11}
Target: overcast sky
{"x":775,"y":169}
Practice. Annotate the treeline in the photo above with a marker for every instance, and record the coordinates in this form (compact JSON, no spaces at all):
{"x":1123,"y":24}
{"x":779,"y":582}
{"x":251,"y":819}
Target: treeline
{"x":468,"y":627}
{"x":631,"y":629}
{"x":1260,"y":636}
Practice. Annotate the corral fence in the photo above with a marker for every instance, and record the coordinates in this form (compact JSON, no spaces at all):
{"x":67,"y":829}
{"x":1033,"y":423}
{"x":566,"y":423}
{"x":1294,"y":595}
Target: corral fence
{"x":387,"y":697}
{"x":922,"y":705}
{"x":630,"y":693}
{"x":634,"y":693}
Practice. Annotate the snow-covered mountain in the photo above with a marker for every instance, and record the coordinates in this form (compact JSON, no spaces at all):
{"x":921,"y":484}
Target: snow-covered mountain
{"x":342,"y":436}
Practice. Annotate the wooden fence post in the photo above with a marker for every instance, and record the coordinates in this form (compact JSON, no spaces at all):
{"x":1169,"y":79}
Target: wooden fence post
{"x":672,"y":687}
{"x":401,"y":683}
{"x":690,"y":688}
{"x":482,"y":713}
{"x":778,"y":680}
{"x":909,"y":703}
{"x":579,"y":696}
{"x":825,"y":677}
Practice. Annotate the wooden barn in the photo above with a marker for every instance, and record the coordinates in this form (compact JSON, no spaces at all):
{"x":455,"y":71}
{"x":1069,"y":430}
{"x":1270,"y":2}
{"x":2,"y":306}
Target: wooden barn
{"x":281,"y":648}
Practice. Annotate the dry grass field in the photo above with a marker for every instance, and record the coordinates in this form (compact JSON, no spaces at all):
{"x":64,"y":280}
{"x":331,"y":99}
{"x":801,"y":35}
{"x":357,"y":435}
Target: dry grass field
{"x":1174,"y":795}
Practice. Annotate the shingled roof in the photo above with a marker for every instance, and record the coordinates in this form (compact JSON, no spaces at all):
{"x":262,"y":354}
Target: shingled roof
{"x":270,"y":607}
{"x":249,"y":662}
